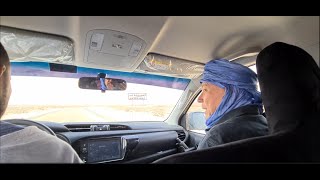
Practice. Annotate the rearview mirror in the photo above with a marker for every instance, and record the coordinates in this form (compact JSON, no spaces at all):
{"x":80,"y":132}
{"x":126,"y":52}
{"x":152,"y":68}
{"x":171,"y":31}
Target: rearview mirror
{"x":103,"y":84}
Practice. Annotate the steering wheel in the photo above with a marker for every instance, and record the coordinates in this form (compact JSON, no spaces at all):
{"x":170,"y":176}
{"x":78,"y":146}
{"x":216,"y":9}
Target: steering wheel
{"x":24,"y":122}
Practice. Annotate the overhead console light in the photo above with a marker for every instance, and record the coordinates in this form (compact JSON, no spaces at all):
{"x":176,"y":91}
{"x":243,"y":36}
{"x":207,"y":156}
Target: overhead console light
{"x":25,"y":46}
{"x":170,"y":66}
{"x":113,"y":49}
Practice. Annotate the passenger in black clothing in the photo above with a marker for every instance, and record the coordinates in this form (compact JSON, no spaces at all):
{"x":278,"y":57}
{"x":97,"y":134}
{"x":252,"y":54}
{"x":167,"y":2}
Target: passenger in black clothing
{"x":232,"y":104}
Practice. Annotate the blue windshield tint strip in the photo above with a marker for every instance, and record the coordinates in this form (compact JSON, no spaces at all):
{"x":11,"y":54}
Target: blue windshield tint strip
{"x":43,"y":69}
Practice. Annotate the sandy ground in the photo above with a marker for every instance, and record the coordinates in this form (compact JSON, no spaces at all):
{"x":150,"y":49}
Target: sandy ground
{"x":88,"y":113}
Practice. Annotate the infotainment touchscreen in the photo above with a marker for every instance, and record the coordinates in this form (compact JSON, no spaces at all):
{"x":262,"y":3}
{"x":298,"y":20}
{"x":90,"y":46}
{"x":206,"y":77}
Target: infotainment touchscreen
{"x":100,"y":150}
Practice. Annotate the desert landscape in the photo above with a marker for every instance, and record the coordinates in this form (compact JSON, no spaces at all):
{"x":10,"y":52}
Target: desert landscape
{"x":88,"y":113}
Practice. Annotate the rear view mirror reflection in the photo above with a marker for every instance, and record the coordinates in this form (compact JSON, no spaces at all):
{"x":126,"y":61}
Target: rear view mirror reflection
{"x":103,"y":84}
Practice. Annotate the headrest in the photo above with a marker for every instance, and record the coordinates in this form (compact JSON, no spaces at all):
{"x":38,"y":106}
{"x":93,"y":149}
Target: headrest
{"x":290,"y":85}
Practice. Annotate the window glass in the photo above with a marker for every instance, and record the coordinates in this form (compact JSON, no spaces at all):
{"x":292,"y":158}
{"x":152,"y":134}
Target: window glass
{"x":254,"y":68}
{"x":195,"y":119}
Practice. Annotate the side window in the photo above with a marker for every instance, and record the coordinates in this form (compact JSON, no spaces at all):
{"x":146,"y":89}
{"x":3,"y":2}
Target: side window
{"x":254,"y":68}
{"x":195,"y":119}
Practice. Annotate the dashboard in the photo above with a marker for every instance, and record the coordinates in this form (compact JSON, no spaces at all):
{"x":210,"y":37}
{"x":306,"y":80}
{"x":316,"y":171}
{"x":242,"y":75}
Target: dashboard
{"x":131,"y":142}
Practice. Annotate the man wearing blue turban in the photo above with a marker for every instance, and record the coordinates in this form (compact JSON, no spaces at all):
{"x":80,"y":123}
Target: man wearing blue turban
{"x":232,"y":104}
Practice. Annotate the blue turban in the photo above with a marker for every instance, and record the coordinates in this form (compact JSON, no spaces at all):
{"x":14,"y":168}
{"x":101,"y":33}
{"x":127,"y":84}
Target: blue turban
{"x":239,"y":82}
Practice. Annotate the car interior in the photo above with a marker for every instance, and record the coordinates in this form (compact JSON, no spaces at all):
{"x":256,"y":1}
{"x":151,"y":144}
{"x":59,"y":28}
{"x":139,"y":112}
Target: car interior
{"x":123,"y":89}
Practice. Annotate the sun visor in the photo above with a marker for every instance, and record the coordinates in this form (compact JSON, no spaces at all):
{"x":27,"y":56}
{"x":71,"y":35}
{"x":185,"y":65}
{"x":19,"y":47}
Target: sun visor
{"x":23,"y":46}
{"x":170,"y":66}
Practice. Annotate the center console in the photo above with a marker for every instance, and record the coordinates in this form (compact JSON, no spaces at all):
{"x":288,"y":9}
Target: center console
{"x":100,"y":150}
{"x":95,"y":148}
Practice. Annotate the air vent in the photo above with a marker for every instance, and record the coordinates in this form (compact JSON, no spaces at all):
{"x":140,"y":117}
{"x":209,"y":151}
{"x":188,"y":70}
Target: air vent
{"x":78,"y":127}
{"x":181,"y":135}
{"x":114,"y":127}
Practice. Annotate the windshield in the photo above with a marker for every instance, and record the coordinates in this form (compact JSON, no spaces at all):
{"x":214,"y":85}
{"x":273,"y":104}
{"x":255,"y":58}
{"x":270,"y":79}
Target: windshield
{"x":40,"y":92}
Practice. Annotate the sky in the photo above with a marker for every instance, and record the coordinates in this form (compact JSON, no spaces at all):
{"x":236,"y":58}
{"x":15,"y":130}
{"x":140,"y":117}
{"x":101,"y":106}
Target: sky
{"x":28,"y":90}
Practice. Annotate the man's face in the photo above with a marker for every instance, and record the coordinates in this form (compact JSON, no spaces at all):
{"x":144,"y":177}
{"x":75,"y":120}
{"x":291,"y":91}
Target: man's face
{"x":210,"y":97}
{"x":5,"y":87}
{"x":109,"y":83}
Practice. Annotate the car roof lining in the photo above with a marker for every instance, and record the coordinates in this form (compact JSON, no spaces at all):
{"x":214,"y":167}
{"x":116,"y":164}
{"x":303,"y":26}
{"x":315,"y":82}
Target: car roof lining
{"x":193,"y":38}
